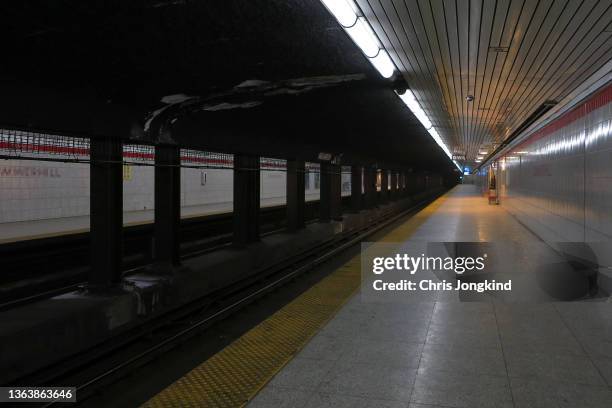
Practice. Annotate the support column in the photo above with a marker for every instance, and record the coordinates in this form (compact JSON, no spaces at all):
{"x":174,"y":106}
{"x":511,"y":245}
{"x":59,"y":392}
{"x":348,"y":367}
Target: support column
{"x":356,"y":186}
{"x":246,"y":199}
{"x":296,"y":194}
{"x":384,"y":186}
{"x":393,"y":191}
{"x":411,"y":184}
{"x":369,"y":184}
{"x":106,"y":208}
{"x":330,"y":205}
{"x":325,"y":200}
{"x":336,"y":192}
{"x":166,"y":248}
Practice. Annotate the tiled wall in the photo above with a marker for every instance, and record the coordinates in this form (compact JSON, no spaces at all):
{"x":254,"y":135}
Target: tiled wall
{"x":36,"y":190}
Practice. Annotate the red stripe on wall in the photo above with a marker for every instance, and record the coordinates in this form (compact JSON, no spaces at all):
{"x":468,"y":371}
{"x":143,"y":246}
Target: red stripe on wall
{"x":596,"y":101}
{"x":78,"y":151}
{"x":42,"y":148}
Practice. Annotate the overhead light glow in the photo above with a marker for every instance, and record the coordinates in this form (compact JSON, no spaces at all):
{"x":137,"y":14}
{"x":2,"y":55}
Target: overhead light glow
{"x":357,"y":27}
{"x":342,"y":10}
{"x":383,"y":64}
{"x":364,"y":37}
{"x":410,"y":100}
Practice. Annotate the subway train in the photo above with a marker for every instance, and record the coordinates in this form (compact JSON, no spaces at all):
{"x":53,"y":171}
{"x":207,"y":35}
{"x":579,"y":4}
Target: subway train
{"x":47,"y":197}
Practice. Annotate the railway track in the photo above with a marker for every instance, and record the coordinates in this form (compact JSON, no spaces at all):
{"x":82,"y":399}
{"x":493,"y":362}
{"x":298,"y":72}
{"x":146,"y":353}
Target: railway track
{"x":93,"y":369}
{"x":45,"y":267}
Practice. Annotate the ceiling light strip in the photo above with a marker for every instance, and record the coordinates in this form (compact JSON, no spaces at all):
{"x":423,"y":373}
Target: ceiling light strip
{"x":357,"y":27}
{"x":410,"y":100}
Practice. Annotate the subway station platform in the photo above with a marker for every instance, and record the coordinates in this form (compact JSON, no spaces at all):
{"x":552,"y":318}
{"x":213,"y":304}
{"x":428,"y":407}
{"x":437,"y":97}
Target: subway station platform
{"x":331,"y":348}
{"x":305,"y":204}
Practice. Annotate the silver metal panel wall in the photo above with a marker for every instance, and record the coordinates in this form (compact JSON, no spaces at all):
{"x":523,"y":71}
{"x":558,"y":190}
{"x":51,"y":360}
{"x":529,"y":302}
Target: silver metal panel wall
{"x":559,"y":182}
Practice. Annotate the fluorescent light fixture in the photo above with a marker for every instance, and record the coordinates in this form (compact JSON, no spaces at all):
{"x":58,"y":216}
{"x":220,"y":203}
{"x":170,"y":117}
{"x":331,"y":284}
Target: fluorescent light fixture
{"x":410,"y":100}
{"x":342,"y":10}
{"x":383,"y":64}
{"x":357,"y":27}
{"x":478,"y":160}
{"x":483,"y":152}
{"x":364,"y":37}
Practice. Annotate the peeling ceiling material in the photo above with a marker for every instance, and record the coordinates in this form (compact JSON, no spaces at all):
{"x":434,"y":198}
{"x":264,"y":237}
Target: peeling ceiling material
{"x":234,"y":98}
{"x":480,"y":68}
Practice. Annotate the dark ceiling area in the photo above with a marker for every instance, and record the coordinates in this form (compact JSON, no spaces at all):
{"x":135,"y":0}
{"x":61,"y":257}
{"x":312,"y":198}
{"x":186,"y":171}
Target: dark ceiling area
{"x":94,"y":67}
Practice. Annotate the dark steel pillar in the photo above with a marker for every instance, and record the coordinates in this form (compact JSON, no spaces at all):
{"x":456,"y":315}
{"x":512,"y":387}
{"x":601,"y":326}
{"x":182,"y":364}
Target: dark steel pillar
{"x":325,"y":200}
{"x":106,"y":208}
{"x":336,"y":192}
{"x":246,"y":199}
{"x":393,"y":191}
{"x":356,"y":186}
{"x":166,"y":248}
{"x":369,"y":185}
{"x":330,"y":205}
{"x":384,"y":186}
{"x":296,"y":194}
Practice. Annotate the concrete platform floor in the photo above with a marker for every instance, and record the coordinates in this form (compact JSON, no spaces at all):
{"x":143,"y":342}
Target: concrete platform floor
{"x":452,"y":353}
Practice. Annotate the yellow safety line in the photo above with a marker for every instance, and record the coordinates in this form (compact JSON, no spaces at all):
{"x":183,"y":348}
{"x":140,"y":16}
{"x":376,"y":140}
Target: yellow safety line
{"x":235,"y":375}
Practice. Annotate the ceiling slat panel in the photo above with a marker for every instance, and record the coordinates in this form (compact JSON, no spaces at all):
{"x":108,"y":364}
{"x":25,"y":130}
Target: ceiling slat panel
{"x":474,"y":51}
{"x":406,"y":58}
{"x":499,"y":19}
{"x":486,"y":25}
{"x":579,"y":34}
{"x":511,"y":55}
{"x":528,"y":26}
{"x":438,"y":50}
{"x":572,"y":13}
{"x":463,"y":45}
{"x":437,"y":11}
{"x":429,"y":47}
{"x":431,"y":93}
{"x":530,"y":56}
{"x":450,"y":19}
{"x":509,"y":28}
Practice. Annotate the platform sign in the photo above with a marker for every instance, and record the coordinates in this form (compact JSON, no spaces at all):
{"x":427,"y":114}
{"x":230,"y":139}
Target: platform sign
{"x":127,"y":172}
